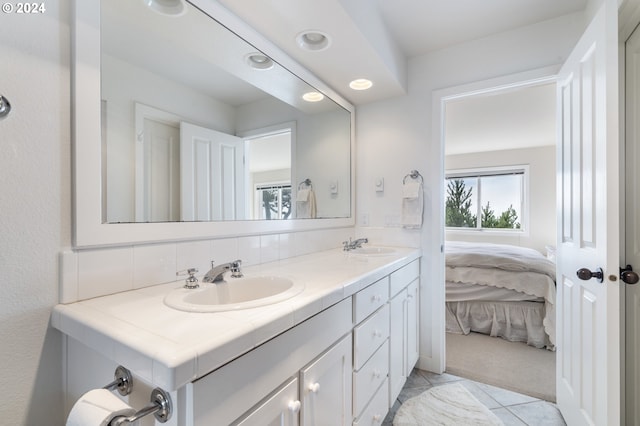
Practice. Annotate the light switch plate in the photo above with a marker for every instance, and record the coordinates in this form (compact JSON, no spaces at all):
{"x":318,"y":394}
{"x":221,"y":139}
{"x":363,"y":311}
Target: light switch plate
{"x":379,"y":184}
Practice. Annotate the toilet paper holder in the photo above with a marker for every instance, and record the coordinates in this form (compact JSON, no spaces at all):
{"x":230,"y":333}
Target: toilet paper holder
{"x":160,"y":402}
{"x":160,"y":406}
{"x":123,"y":381}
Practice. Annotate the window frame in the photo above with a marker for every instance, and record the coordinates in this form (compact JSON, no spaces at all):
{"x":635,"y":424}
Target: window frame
{"x":479,"y":172}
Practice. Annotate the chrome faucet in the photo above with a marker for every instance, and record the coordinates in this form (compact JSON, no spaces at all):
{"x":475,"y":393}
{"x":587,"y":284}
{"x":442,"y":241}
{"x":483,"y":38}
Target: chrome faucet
{"x":216,"y":273}
{"x":350,"y":245}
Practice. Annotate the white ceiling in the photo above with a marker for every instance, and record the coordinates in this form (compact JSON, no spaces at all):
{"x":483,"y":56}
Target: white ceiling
{"x":375,"y":38}
{"x":521,"y":118}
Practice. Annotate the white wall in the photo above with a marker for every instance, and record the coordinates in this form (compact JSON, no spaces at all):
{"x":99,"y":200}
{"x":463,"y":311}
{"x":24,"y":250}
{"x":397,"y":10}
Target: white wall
{"x":152,"y":90}
{"x":35,"y":204}
{"x":542,"y":195}
{"x":395,"y":136}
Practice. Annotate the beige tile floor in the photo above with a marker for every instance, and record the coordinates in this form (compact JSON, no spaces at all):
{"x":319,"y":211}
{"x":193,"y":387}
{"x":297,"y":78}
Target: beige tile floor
{"x":512,"y":408}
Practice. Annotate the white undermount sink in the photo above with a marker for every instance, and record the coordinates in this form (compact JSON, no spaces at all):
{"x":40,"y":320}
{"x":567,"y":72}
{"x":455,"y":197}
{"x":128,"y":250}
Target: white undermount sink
{"x":373,"y":251}
{"x":233,"y":294}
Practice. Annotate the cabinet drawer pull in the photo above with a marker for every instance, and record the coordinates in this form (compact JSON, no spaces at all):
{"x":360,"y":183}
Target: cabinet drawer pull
{"x":376,"y":373}
{"x":294,"y":406}
{"x":314,"y":387}
{"x":377,"y":418}
{"x":377,"y":333}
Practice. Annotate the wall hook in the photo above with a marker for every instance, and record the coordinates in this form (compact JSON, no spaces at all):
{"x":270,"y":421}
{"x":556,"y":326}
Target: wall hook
{"x":5,"y":107}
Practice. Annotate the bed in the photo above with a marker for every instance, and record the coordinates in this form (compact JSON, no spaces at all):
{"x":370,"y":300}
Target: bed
{"x":500,"y":290}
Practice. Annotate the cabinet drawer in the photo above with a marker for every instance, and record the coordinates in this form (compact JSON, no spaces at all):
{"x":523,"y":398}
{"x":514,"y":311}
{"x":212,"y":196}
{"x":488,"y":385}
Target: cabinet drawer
{"x":368,"y":336}
{"x":370,"y":377}
{"x":403,"y":276}
{"x":377,"y":409}
{"x":367,"y":300}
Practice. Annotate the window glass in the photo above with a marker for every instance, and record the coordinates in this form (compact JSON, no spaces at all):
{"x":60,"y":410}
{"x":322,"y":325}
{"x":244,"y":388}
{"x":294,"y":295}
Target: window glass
{"x":485,"y":199}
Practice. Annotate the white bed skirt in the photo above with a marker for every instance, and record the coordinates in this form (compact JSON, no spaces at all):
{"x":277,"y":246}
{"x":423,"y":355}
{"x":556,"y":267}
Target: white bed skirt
{"x":513,"y":321}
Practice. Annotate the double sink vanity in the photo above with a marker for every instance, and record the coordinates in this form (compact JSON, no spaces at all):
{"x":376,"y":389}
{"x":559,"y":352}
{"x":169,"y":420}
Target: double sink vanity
{"x":322,"y":339}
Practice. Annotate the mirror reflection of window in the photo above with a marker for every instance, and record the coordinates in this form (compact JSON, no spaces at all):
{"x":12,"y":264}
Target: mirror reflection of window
{"x":268,"y":160}
{"x":273,"y":201}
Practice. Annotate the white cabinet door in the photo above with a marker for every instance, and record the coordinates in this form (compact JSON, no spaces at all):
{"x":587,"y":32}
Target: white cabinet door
{"x":412,"y":332}
{"x":325,"y":388}
{"x":403,"y":338}
{"x":397,"y":339}
{"x":281,"y":409}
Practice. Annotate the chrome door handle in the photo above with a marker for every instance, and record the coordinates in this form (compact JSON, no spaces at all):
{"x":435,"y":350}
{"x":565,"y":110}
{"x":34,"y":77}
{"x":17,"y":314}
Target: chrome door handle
{"x":586,"y":274}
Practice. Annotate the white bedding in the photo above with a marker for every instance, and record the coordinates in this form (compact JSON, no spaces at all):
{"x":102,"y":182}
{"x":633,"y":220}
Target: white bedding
{"x":510,"y":268}
{"x":464,"y":292}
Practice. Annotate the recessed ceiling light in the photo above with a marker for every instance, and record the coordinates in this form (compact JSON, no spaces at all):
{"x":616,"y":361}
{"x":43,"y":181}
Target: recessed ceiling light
{"x":167,"y":7}
{"x":360,"y":84}
{"x":313,"y":96}
{"x":313,"y":40}
{"x":259,"y":61}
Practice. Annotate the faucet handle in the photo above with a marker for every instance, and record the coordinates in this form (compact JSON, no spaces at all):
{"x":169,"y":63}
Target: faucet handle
{"x":191,"y":281}
{"x":235,"y":269}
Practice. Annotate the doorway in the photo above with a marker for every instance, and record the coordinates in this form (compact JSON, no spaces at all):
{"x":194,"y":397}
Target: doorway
{"x":270,"y":170}
{"x":499,"y":133}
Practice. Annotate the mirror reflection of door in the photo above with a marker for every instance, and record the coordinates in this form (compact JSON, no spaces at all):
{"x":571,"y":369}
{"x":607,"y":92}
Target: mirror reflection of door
{"x":157,"y":167}
{"x":211,"y":174}
{"x":268,"y":159}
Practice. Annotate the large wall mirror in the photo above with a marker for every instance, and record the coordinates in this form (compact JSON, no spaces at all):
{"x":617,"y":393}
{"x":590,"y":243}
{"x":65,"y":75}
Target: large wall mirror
{"x":184,"y":129}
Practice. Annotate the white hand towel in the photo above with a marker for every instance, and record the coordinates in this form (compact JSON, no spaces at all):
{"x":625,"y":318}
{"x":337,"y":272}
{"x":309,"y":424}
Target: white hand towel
{"x":411,"y":189}
{"x":412,"y":205}
{"x":306,"y":209}
{"x":303,"y":195}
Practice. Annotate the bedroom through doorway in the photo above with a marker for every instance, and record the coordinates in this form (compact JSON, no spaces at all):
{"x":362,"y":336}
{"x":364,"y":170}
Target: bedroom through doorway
{"x":500,"y":234}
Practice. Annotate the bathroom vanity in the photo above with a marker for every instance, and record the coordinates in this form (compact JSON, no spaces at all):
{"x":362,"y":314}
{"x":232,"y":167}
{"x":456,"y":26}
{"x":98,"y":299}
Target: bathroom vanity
{"x":338,"y":352}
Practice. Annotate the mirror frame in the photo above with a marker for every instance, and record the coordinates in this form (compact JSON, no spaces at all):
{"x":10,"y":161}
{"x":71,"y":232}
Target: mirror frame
{"x":88,"y":184}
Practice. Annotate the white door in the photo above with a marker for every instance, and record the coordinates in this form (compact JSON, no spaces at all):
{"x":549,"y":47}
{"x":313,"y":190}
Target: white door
{"x":588,"y":359}
{"x":158,"y":190}
{"x":211,"y":174}
{"x":632,"y":227}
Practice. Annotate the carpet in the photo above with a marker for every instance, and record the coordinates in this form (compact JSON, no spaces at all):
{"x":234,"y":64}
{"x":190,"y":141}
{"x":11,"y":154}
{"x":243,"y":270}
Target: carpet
{"x":445,"y":405}
{"x":510,"y":365}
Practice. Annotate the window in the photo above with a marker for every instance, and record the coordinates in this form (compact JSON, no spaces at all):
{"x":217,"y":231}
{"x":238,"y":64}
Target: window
{"x":274,"y":201}
{"x":486,"y":199}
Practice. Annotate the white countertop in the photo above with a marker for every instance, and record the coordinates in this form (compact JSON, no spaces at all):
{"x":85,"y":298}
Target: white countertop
{"x":169,"y":348}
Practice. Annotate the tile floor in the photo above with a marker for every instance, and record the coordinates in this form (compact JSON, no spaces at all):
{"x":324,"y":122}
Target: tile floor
{"x":512,"y":408}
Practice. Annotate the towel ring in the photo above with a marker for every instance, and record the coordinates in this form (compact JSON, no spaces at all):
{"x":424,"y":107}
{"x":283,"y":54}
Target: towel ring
{"x":306,"y":182}
{"x":5,"y":107}
{"x":413,"y":174}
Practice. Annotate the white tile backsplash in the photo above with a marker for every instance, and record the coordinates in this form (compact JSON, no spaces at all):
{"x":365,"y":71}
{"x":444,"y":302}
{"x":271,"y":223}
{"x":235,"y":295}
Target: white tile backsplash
{"x":269,"y":248}
{"x":194,"y":254}
{"x":98,"y":272}
{"x":154,"y":264}
{"x":224,"y":250}
{"x":248,"y":250}
{"x":104,"y":271}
